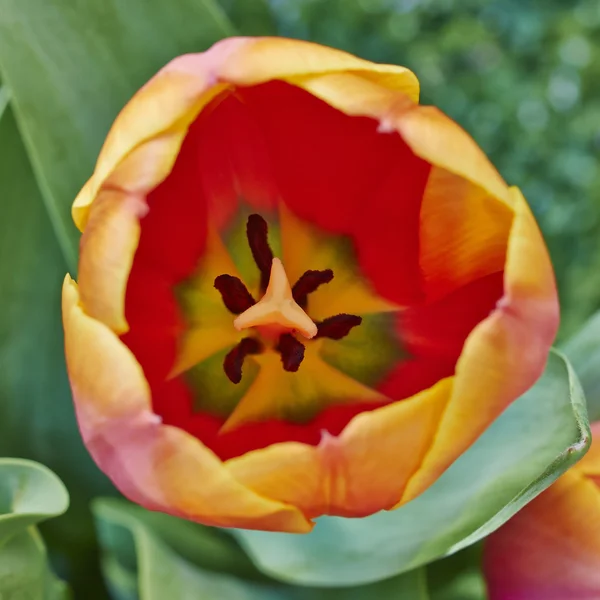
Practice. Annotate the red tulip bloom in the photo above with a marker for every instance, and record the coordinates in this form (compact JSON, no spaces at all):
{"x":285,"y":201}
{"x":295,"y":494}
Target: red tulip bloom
{"x":550,"y":550}
{"x":300,"y":292}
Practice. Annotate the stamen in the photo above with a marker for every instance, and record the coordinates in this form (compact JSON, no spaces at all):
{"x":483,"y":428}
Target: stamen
{"x":234,"y":361}
{"x":280,"y":313}
{"x":257,"y":232}
{"x":308,"y":283}
{"x":235,"y":295}
{"x":338,"y":326}
{"x":292,"y":352}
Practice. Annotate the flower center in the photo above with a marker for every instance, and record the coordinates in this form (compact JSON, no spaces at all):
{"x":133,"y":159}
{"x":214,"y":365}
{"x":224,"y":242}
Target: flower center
{"x":279,"y":316}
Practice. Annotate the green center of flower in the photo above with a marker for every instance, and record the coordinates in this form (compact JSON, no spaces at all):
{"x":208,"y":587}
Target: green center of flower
{"x":255,"y":347}
{"x":279,"y":316}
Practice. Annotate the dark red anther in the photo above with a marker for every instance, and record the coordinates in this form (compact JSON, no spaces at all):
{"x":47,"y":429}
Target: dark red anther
{"x":257,"y":232}
{"x":292,"y":352}
{"x":234,"y":361}
{"x":338,"y":326}
{"x":308,"y":283}
{"x":235,"y":295}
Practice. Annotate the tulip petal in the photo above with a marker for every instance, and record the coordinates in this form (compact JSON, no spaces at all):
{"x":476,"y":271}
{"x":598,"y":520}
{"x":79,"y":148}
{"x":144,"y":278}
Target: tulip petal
{"x":151,"y":127}
{"x":464,"y":233}
{"x":108,"y":244}
{"x":421,"y":229}
{"x":265,"y":59}
{"x":550,"y":550}
{"x":589,"y":465}
{"x":158,"y":466}
{"x":145,"y":138}
{"x":442,"y":142}
{"x":504,"y":355}
{"x":466,"y":210}
{"x":349,"y":475}
{"x":338,"y":173}
{"x":433,"y":335}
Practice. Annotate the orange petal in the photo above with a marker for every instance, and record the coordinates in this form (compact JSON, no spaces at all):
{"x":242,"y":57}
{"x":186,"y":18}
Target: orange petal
{"x":264,"y":59}
{"x":504,"y":355}
{"x":467,"y":208}
{"x":359,"y":94}
{"x":361,"y":471}
{"x":550,"y":550}
{"x":464,"y":233}
{"x":144,"y":140}
{"x":107,"y":248}
{"x":158,"y":466}
{"x":440,"y":141}
{"x":590,"y":464}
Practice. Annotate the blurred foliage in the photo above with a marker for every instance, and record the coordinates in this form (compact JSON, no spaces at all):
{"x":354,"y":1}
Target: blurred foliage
{"x":523,"y":77}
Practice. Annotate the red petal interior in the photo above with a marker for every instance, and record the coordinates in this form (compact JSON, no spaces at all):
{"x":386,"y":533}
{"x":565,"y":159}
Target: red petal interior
{"x":276,"y":141}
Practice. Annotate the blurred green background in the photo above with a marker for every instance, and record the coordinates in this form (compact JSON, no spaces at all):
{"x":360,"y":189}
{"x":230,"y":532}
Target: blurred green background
{"x":523,"y":77}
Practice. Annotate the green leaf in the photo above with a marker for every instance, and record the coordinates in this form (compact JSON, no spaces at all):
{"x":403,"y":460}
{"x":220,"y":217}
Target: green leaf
{"x":206,"y":547}
{"x":458,"y":577}
{"x":37,"y":419}
{"x":533,"y":442}
{"x":71,"y":67}
{"x":583,"y":350}
{"x":142,"y":561}
{"x":24,"y":572}
{"x":29,"y":494}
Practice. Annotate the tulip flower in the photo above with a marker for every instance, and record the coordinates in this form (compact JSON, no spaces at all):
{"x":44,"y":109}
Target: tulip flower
{"x":550,"y":550}
{"x":300,"y":292}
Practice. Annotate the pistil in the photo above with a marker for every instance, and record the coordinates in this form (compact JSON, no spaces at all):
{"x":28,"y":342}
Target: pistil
{"x":277,"y":307}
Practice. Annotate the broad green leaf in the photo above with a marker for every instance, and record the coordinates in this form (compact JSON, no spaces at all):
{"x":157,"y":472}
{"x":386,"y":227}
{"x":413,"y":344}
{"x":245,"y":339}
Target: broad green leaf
{"x":139,"y":562}
{"x":24,"y":572}
{"x":37,"y":420}
{"x":206,"y":547}
{"x":29,"y":494}
{"x":583,"y":350}
{"x":533,"y":442}
{"x":71,"y":66}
